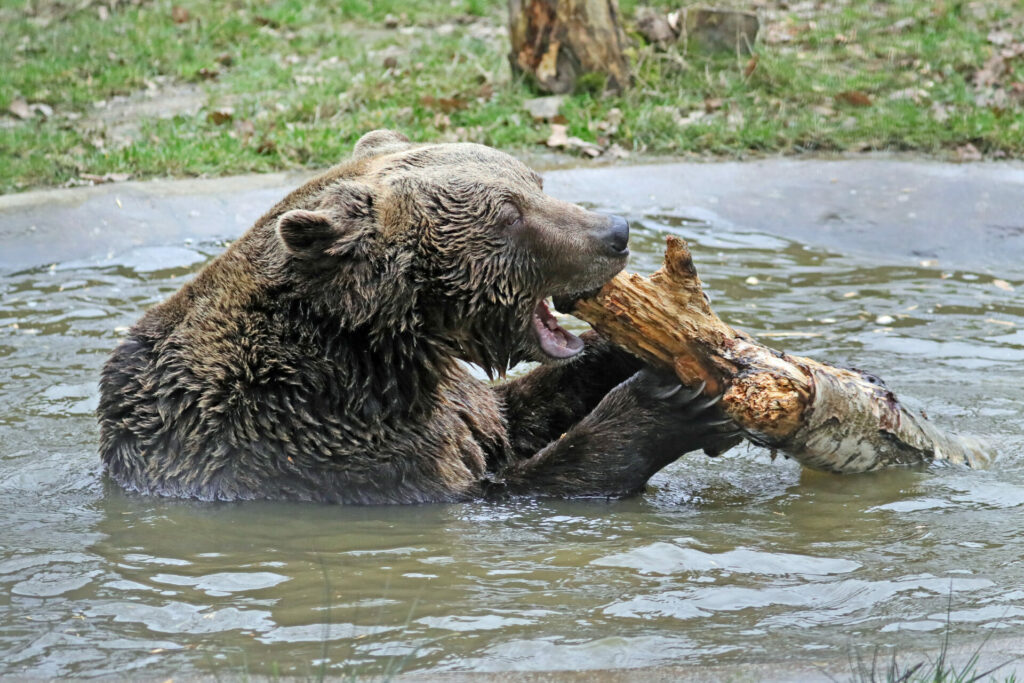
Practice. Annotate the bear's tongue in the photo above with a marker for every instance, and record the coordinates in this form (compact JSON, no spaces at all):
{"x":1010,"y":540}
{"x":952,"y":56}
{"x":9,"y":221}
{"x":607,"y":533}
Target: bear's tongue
{"x":554,"y":340}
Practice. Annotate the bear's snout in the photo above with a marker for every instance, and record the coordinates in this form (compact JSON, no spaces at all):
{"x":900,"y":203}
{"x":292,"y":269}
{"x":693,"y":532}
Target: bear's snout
{"x":616,"y":236}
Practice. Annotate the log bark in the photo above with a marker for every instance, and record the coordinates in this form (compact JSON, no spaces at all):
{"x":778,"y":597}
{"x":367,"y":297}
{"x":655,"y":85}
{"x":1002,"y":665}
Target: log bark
{"x":559,"y":41}
{"x":827,"y":418}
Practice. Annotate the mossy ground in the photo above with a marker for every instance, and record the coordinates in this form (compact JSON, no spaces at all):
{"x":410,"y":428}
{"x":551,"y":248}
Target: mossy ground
{"x":158,"y":88}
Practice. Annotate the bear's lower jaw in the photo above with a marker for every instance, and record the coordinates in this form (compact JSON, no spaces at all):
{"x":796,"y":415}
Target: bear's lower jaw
{"x":555,"y":341}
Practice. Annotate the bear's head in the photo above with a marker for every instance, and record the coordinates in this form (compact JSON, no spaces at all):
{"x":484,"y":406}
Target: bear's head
{"x":452,"y":242}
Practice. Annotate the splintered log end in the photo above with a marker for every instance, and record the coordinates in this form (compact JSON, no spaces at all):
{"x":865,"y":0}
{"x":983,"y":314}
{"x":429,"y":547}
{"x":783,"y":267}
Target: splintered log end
{"x":771,"y":402}
{"x":679,"y":260}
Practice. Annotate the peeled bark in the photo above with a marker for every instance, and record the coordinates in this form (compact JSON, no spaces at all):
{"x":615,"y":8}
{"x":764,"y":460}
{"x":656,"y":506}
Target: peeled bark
{"x":558,"y":41}
{"x":825,"y":417}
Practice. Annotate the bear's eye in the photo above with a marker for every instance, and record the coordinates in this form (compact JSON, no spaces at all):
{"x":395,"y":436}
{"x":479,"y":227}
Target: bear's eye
{"x":511,"y":217}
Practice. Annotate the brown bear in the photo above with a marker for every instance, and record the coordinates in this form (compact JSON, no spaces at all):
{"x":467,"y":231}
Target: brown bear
{"x":318,"y":358}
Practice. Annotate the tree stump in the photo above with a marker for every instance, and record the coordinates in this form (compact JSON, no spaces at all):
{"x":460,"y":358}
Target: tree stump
{"x":825,"y":417}
{"x":559,"y":41}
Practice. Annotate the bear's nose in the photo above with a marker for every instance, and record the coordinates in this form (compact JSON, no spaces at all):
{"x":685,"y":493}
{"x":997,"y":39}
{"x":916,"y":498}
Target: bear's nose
{"x":616,"y":236}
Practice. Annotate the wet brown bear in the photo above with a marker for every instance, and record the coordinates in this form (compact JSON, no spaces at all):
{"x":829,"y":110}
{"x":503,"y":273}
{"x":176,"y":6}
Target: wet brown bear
{"x":318,"y":357}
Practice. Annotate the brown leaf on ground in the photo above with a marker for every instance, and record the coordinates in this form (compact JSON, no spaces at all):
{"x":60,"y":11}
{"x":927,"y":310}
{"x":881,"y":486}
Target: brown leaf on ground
{"x":1000,"y":37}
{"x":20,"y":108}
{"x":751,"y":66}
{"x":179,"y":15}
{"x":261,"y":20}
{"x":105,"y":178}
{"x":219,"y":117}
{"x":24,"y":110}
{"x":560,"y":139}
{"x":916,"y":95}
{"x":967,"y":152}
{"x":445,"y":104}
{"x":207,"y":74}
{"x":266,"y":146}
{"x":712,"y":104}
{"x":1003,"y":285}
{"x":854,"y":98}
{"x":997,"y":66}
{"x":559,"y":136}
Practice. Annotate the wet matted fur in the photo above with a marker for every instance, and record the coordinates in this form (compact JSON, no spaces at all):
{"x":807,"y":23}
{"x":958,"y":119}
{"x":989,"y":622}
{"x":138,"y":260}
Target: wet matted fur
{"x":318,"y":358}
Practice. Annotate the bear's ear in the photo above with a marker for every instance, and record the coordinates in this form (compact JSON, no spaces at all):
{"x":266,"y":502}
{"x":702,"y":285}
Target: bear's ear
{"x":379,"y":142}
{"x":306,"y":233}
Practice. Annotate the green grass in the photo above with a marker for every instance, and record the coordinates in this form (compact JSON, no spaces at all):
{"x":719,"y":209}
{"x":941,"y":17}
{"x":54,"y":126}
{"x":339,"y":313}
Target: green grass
{"x":302,"y":81}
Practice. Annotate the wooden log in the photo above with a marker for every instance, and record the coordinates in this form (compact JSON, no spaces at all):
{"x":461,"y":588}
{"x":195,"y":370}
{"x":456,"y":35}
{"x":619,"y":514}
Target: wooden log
{"x":559,"y":41}
{"x":825,"y":417}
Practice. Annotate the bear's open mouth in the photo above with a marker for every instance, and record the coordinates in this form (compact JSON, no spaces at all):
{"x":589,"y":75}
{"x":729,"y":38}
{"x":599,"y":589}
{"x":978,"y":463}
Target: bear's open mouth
{"x":555,"y":340}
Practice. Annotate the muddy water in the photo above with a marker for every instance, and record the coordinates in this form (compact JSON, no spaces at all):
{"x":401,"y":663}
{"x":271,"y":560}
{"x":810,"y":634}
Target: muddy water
{"x":736,"y":560}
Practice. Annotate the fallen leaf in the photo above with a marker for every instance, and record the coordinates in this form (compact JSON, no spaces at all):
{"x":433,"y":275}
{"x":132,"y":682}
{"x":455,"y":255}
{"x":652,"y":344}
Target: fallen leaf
{"x":751,"y":66}
{"x":1000,"y":37}
{"x":266,"y":146}
{"x":997,"y":66}
{"x":445,"y":104}
{"x":616,"y":151}
{"x":690,"y":119}
{"x":916,"y":95}
{"x":221,"y":116}
{"x":854,"y":98}
{"x":559,"y":135}
{"x":712,"y":104}
{"x":20,"y":108}
{"x":1003,"y":285}
{"x":105,"y":178}
{"x":179,"y":15}
{"x":560,"y":139}
{"x":967,"y":152}
{"x":207,"y":74}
